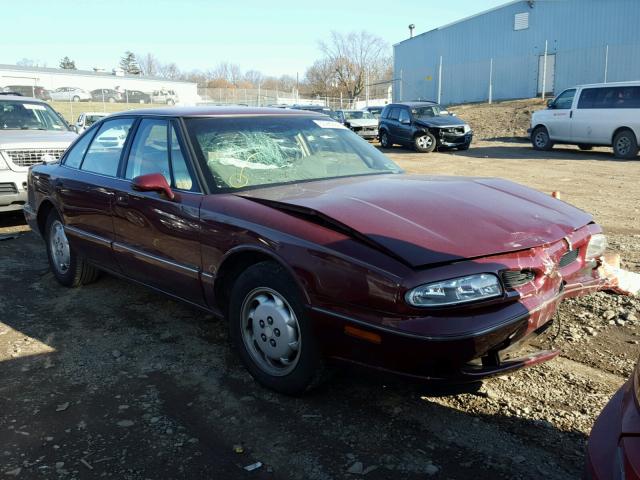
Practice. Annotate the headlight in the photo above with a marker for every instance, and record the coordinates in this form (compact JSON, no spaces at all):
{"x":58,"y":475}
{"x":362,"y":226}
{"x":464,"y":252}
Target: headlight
{"x":597,"y":246}
{"x":455,"y":291}
{"x":467,"y":128}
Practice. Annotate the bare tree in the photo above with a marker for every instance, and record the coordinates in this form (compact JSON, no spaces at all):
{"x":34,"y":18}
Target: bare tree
{"x":321,"y":78}
{"x":354,"y":56}
{"x":169,"y":71}
{"x":254,"y":77}
{"x":149,"y":64}
{"x":30,"y":62}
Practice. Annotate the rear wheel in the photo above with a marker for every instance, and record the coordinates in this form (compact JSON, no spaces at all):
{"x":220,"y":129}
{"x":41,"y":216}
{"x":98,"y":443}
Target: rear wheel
{"x":76,"y":98}
{"x":424,"y":142}
{"x":271,"y":332}
{"x":68,"y":268}
{"x":625,"y":145}
{"x":585,"y":147}
{"x":385,"y":141}
{"x":540,"y":139}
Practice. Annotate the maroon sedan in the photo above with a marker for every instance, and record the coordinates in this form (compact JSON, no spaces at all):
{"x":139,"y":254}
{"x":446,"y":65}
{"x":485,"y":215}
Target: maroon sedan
{"x":313,"y":244}
{"x":614,"y":445}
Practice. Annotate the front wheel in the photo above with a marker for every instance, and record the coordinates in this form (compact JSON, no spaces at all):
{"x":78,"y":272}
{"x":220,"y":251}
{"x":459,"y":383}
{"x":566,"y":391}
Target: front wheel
{"x":625,"y":145}
{"x":540,"y":139}
{"x":271,"y":332}
{"x":69,"y":269}
{"x":385,"y":141}
{"x":425,"y":142}
{"x":76,"y":99}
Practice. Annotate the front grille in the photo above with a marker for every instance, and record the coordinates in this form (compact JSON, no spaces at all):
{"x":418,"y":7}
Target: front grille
{"x":569,"y":257}
{"x":26,"y":158}
{"x":517,"y":278}
{"x":8,"y":189}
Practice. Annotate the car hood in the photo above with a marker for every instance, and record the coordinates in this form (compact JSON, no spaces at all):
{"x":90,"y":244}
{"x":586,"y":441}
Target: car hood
{"x":441,"y":121}
{"x":427,"y":220}
{"x":29,"y":139}
{"x":363,"y":122}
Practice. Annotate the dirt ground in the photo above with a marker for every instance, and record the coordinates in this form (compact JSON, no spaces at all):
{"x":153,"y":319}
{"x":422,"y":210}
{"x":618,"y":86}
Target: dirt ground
{"x":116,"y":381}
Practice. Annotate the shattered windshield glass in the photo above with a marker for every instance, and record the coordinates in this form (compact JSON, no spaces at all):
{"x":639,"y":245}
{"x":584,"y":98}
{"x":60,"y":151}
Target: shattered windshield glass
{"x":261,"y":150}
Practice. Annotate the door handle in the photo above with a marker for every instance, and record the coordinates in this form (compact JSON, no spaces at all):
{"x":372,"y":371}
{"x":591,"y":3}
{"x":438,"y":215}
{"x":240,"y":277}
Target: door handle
{"x":122,"y":199}
{"x":571,"y":114}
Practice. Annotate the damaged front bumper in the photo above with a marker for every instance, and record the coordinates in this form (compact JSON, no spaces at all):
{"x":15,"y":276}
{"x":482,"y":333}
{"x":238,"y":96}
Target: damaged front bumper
{"x":467,"y":343}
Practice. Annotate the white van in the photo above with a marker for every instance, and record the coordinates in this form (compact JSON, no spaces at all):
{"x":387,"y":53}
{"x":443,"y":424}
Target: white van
{"x":603,"y":114}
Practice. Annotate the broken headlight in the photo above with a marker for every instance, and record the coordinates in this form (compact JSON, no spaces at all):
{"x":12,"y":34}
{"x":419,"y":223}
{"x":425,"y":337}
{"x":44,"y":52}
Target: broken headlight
{"x":597,"y":246}
{"x":456,"y":291}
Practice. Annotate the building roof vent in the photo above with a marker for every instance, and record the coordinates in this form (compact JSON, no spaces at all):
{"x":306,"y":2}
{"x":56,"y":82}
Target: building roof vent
{"x":521,"y":21}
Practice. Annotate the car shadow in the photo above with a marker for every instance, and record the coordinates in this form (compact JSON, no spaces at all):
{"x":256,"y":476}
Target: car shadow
{"x":516,"y":151}
{"x":135,"y":385}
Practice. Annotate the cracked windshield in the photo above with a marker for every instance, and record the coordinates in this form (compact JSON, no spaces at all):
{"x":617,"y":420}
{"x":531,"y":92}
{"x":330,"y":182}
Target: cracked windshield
{"x":252,"y":151}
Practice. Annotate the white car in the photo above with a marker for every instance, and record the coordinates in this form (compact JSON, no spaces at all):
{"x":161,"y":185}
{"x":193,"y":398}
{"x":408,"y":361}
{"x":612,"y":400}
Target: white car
{"x":68,"y":94}
{"x":361,"y":122}
{"x":31,"y":132}
{"x":603,"y":114}
{"x":86,"y":119}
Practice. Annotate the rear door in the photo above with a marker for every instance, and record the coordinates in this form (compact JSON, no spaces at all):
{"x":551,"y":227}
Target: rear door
{"x":158,"y":239}
{"x":405,"y":129}
{"x":87,"y":190}
{"x":393,"y":124}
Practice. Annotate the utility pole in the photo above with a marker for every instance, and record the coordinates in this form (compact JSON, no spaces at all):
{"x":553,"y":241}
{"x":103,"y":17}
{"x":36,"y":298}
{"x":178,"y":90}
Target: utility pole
{"x":606,"y":63}
{"x":491,"y":81}
{"x":440,"y":80}
{"x":544,"y":70}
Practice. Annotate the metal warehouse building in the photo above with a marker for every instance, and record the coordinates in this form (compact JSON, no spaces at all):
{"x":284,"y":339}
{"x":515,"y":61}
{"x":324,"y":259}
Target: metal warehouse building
{"x":500,"y":53}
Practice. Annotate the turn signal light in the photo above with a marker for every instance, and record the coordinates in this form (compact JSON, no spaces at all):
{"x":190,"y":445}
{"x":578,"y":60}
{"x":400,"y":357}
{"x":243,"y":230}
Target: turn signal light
{"x":363,"y":334}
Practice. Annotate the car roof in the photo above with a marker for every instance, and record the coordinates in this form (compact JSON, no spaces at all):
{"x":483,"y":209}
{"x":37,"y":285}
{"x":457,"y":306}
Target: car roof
{"x":415,"y":104}
{"x":214,"y":111}
{"x":21,"y":98}
{"x":632,"y":83}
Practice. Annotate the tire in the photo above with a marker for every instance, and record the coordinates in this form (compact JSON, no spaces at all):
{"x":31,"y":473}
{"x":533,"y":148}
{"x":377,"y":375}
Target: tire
{"x":385,"y":141}
{"x":69,"y":269}
{"x":464,"y":147}
{"x":265,"y":290}
{"x":76,"y":98}
{"x":625,"y":145}
{"x":585,"y":147}
{"x":540,"y":139}
{"x":424,"y":142}
{"x":112,"y":100}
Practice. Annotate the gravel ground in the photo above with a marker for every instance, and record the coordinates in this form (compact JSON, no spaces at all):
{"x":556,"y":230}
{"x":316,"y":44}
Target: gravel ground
{"x":116,"y":381}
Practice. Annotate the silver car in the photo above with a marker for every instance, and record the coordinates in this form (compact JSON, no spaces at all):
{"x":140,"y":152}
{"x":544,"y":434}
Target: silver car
{"x":31,"y":132}
{"x":68,"y":94}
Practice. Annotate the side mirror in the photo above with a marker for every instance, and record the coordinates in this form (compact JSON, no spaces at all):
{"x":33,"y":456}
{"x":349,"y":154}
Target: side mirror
{"x":153,"y":182}
{"x":550,"y":103}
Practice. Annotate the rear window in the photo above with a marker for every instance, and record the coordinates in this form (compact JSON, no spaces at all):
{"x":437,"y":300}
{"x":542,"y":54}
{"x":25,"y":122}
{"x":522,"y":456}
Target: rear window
{"x":610,"y":97}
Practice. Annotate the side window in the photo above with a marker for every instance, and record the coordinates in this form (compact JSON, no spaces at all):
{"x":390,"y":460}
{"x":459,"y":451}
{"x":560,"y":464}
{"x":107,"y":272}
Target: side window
{"x":104,"y":153}
{"x":404,"y":116}
{"x":74,"y":157}
{"x":565,"y":100}
{"x":182,"y":174}
{"x":394,"y":114}
{"x":149,"y":150}
{"x":587,"y":98}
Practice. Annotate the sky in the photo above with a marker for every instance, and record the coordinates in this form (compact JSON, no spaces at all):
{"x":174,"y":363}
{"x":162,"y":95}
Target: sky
{"x":276,"y":37}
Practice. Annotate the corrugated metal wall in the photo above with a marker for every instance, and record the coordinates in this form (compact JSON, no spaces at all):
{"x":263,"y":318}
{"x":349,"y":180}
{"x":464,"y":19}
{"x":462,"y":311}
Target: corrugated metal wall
{"x":576,"y":31}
